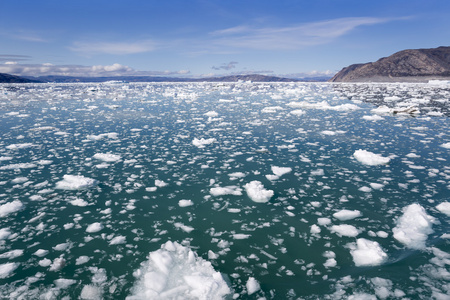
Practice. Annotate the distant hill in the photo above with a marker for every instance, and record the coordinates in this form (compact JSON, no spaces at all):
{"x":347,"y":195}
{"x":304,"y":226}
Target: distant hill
{"x":7,"y":78}
{"x":416,"y":65}
{"x":234,"y":78}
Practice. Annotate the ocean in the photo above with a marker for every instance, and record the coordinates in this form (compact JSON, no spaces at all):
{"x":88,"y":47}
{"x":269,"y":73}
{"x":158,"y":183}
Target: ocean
{"x":224,"y":191}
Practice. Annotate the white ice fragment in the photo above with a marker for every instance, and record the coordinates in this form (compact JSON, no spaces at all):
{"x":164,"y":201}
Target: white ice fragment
{"x":446,"y":145}
{"x":75,"y":182}
{"x":297,"y":112}
{"x":376,"y":186}
{"x":82,"y":260}
{"x":63,"y":283}
{"x":78,"y":202}
{"x":241,"y":236}
{"x":12,"y":254}
{"x":373,"y":118}
{"x":315,"y":229}
{"x":201,"y":143}
{"x":346,"y":214}
{"x":4,"y":233}
{"x":91,"y":292}
{"x":120,"y":239}
{"x":160,"y":183}
{"x":323,"y":221}
{"x":413,"y":227}
{"x":252,"y":286}
{"x":185,"y":203}
{"x":280,"y":171}
{"x":7,"y":269}
{"x":367,"y":253}
{"x":107,"y":157}
{"x":175,"y":272}
{"x":256,"y":191}
{"x":19,"y":146}
{"x":211,"y":114}
{"x":94,"y":227}
{"x":227,"y":190}
{"x":371,"y":159}
{"x":10,"y":207}
{"x":345,"y":230}
{"x":444,"y":208}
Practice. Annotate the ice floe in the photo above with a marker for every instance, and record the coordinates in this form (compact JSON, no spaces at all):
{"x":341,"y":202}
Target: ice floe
{"x":75,"y":182}
{"x":256,"y":191}
{"x":369,"y":158}
{"x":367,"y":253}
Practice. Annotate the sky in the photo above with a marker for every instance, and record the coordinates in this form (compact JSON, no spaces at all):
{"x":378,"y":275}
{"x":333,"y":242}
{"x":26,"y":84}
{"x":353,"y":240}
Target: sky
{"x":198,"y":38}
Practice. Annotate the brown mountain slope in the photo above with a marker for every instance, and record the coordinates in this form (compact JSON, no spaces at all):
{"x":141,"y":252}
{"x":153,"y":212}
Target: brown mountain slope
{"x":406,"y":65}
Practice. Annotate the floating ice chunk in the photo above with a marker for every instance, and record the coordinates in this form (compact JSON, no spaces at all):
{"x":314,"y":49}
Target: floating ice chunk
{"x":82,"y":260}
{"x":201,"y":143}
{"x":12,"y":254}
{"x":237,"y":175}
{"x":318,"y":172}
{"x":19,"y":180}
{"x":241,"y":236}
{"x":183,"y":227}
{"x":376,"y":186}
{"x":41,"y":252}
{"x":328,"y":132}
{"x":280,"y":171}
{"x":18,"y":166}
{"x":367,"y":253}
{"x":75,"y":182}
{"x":256,"y":191}
{"x":7,"y":269}
{"x":63,"y":283}
{"x":94,"y":227}
{"x":373,"y":118}
{"x":345,"y":230}
{"x":297,"y":112}
{"x":160,"y":183}
{"x":211,"y":114}
{"x":323,"y":221}
{"x":446,"y":145}
{"x":444,"y":208}
{"x":365,"y":189}
{"x":371,"y":159}
{"x":252,"y":286}
{"x":413,"y":227}
{"x":4,"y":233}
{"x":346,"y":214}
{"x":110,"y":135}
{"x":175,"y":272}
{"x":91,"y":292}
{"x":271,"y":109}
{"x":107,"y":157}
{"x":10,"y":207}
{"x":118,"y":240}
{"x":228,"y":190}
{"x":78,"y":202}
{"x":315,"y":229}
{"x":185,"y":203}
{"x":19,"y":146}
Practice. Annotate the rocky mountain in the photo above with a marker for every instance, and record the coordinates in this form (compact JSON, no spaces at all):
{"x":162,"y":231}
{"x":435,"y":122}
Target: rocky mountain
{"x":415,"y":65}
{"x":7,"y":78}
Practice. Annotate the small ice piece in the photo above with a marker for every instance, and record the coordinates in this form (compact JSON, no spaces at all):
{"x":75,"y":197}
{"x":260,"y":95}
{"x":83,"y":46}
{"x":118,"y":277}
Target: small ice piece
{"x":75,"y":182}
{"x":160,"y":183}
{"x":367,"y":253}
{"x":297,"y":112}
{"x":12,"y":254}
{"x":211,"y":114}
{"x":252,"y":286}
{"x":63,"y":283}
{"x":7,"y":269}
{"x":4,"y":233}
{"x":10,"y":207}
{"x":201,"y":143}
{"x":256,"y":191}
{"x":82,"y":260}
{"x":369,"y":158}
{"x":315,"y":229}
{"x":345,"y":230}
{"x":280,"y":171}
{"x":19,"y":146}
{"x":227,"y":190}
{"x":444,"y":208}
{"x":241,"y":236}
{"x":346,"y":214}
{"x":176,"y":272}
{"x":107,"y":157}
{"x":323,"y":221}
{"x":185,"y":203}
{"x":78,"y":202}
{"x":446,"y":145}
{"x":90,"y":292}
{"x":120,"y":239}
{"x":94,"y":227}
{"x":376,"y":186}
{"x":328,"y":132}
{"x":413,"y":227}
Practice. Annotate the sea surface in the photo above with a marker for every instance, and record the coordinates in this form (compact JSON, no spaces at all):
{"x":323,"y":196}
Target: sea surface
{"x":224,"y":190}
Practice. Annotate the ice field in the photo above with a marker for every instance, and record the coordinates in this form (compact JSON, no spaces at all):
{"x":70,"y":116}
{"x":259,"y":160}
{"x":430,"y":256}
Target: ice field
{"x":224,"y":191}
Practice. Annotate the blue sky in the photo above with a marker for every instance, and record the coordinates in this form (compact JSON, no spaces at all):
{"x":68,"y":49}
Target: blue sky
{"x":290,"y":38}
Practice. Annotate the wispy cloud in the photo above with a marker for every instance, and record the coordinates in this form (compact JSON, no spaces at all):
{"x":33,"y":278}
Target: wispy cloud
{"x":24,"y":35}
{"x":116,"y":48}
{"x":290,"y":37}
{"x":13,"y":58}
{"x":228,"y":66}
{"x":79,"y":70}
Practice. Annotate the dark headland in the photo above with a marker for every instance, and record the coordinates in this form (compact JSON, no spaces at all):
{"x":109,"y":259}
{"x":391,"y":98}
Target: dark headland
{"x":414,"y":65}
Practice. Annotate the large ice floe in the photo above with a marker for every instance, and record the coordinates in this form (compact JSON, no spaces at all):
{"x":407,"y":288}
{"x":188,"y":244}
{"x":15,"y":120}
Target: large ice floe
{"x":369,"y":158}
{"x":176,"y":272}
{"x":256,"y":191}
{"x":75,"y":182}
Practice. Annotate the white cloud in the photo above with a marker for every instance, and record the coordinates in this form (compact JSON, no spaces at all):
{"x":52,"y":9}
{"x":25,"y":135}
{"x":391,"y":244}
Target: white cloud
{"x":228,"y":66}
{"x":290,"y":37}
{"x":116,"y":48}
{"x":81,"y":71}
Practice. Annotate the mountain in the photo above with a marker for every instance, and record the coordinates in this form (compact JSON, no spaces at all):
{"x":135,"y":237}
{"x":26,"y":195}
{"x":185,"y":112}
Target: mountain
{"x":415,"y":65}
{"x":7,"y":78}
{"x":233,"y":78}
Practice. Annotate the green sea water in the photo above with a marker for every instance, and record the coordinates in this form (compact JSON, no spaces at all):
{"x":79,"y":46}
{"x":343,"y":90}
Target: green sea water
{"x":287,"y":244}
